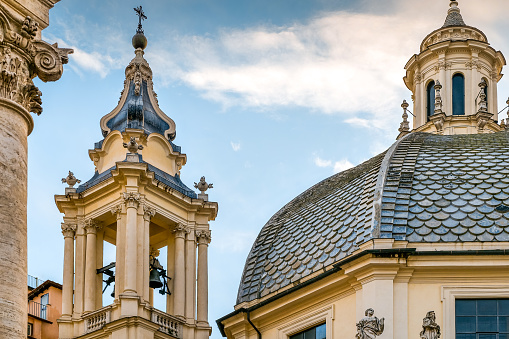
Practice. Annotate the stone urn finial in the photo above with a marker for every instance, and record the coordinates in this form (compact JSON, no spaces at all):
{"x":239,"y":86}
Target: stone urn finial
{"x":203,"y":186}
{"x":70,"y":180}
{"x":132,"y":146}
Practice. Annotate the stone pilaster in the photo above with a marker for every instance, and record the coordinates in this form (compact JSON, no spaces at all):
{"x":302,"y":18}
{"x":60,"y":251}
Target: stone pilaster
{"x":23,"y":56}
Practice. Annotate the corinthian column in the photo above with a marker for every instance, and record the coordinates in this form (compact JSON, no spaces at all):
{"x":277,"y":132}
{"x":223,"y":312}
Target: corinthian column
{"x":23,"y":56}
{"x":91,"y":227}
{"x":68,"y":230}
{"x":203,"y":238}
{"x":132,"y":201}
{"x":179,"y":281}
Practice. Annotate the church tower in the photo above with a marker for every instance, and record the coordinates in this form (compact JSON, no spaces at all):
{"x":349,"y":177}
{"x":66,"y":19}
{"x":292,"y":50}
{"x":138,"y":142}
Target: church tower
{"x":137,"y":202}
{"x":454,"y":80}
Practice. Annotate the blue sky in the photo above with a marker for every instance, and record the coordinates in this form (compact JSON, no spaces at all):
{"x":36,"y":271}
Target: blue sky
{"x":269,"y":98}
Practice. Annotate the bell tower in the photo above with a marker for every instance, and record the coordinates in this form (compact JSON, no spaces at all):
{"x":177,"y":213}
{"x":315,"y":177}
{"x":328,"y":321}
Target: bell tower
{"x":454,"y":80}
{"x":137,"y":202}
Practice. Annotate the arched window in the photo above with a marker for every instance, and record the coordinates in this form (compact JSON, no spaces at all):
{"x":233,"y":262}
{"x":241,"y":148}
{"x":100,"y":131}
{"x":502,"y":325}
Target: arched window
{"x":458,"y":94}
{"x":430,"y":94}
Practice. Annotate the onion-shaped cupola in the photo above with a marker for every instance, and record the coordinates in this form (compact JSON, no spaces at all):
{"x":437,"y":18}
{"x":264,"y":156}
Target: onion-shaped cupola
{"x":454,"y":80}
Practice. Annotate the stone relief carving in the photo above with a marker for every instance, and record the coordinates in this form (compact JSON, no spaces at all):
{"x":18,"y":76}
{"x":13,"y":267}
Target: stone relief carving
{"x":370,"y":326}
{"x":132,"y":146}
{"x":430,"y":329}
{"x":29,"y":28}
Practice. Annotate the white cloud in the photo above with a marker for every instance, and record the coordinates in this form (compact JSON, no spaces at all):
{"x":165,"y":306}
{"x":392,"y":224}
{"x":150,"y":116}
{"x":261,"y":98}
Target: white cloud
{"x":235,"y":146}
{"x":322,"y":163}
{"x":337,"y":166}
{"x":342,"y":165}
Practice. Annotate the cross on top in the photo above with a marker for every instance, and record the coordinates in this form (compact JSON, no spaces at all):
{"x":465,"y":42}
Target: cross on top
{"x":142,"y":16}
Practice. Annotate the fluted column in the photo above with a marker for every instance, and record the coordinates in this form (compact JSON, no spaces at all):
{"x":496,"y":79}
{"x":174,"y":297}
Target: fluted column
{"x":179,"y":284}
{"x":203,"y":238}
{"x":132,"y":201}
{"x":23,"y":56}
{"x":91,"y":227}
{"x":68,"y":230}
{"x":148,"y":213}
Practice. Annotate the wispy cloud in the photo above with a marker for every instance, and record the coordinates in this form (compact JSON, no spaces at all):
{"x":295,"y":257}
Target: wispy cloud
{"x":235,"y":146}
{"x":337,"y":166}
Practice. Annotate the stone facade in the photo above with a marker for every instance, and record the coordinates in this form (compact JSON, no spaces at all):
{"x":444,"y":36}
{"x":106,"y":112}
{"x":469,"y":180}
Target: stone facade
{"x":23,"y":56}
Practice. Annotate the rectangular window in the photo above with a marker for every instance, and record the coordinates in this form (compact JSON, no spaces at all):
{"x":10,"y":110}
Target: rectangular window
{"x":482,"y":318}
{"x":44,"y":302}
{"x":317,"y":332}
{"x":30,"y":329}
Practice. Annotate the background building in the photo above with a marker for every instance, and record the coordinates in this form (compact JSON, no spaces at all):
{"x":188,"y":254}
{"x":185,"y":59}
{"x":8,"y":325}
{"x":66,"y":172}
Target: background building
{"x":411,"y":240}
{"x":44,"y":308}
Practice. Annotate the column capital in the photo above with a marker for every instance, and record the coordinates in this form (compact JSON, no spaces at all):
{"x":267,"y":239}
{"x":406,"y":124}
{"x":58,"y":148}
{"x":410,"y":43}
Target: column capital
{"x":116,"y":210}
{"x":68,"y":230}
{"x":181,"y":230}
{"x":148,"y":212}
{"x":131,"y":199}
{"x":92,"y":226}
{"x":203,"y":237}
{"x":22,"y":57}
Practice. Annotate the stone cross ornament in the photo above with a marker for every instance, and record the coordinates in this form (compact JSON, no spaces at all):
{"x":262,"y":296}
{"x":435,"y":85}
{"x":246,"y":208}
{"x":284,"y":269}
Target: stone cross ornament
{"x":369,"y":327}
{"x":430,"y":329}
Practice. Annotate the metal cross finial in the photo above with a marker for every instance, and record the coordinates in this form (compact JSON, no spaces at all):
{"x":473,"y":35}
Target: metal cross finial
{"x":142,"y":16}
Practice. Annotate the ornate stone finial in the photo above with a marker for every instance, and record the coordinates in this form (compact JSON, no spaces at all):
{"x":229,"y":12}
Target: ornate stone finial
{"x":438,"y":98}
{"x":139,"y":39}
{"x":132,"y":146}
{"x":483,"y":104}
{"x":404,"y":126}
{"x":203,"y":186}
{"x":430,"y":329}
{"x":70,"y":180}
{"x":369,"y":327}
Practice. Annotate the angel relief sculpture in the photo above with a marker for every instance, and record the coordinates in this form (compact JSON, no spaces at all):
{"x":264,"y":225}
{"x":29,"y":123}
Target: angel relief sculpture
{"x":430,"y":329}
{"x":369,"y":327}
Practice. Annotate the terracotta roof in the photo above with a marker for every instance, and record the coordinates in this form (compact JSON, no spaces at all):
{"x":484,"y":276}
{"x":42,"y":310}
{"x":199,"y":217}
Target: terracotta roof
{"x":428,"y":188}
{"x":43,"y":287}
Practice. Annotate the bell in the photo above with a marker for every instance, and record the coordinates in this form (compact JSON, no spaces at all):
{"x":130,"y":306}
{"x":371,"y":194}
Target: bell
{"x":113,"y":293}
{"x":155,"y":279}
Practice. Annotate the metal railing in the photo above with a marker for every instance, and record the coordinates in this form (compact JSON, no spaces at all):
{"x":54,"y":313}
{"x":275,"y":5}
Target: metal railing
{"x":34,"y":282}
{"x":167,"y":323}
{"x":37,"y":310}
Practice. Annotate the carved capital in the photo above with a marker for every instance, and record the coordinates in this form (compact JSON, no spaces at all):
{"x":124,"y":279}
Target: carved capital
{"x":148,"y":212}
{"x":131,"y":199}
{"x":180,"y":231}
{"x":203,"y":237}
{"x":92,"y":226}
{"x":116,"y":210}
{"x":22,"y":58}
{"x":68,"y":230}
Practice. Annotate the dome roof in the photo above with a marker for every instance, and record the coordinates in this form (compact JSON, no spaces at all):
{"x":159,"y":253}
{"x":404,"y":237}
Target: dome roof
{"x":425,"y":188}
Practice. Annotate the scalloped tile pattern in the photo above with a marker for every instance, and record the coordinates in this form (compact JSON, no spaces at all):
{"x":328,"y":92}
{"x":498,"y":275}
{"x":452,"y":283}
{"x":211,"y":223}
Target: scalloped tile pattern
{"x":436,"y":189}
{"x":316,"y":229}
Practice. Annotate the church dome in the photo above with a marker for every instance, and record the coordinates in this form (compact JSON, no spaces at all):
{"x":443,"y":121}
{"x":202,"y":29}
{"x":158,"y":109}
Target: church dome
{"x":426,"y":188}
